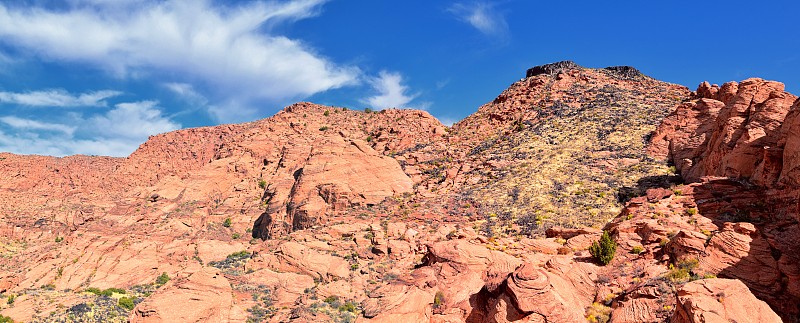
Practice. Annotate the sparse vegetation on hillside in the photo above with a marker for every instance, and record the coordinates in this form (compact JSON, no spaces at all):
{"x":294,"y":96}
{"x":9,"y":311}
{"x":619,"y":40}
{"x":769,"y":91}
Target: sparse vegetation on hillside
{"x":570,"y":157}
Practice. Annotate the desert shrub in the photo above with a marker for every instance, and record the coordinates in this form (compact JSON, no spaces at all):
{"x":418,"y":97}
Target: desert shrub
{"x":331,"y":299}
{"x":598,"y":313}
{"x":682,"y":271}
{"x":240,"y":255}
{"x":603,"y":250}
{"x":10,"y":299}
{"x":59,"y":239}
{"x":262,"y":184}
{"x":227,"y":223}
{"x":236,"y":236}
{"x":368,"y":110}
{"x":126,"y":303}
{"x":349,"y":306}
{"x":637,"y":250}
{"x":327,"y":113}
{"x":323,"y":128}
{"x":111,"y":291}
{"x":162,"y":279}
{"x":93,"y":290}
{"x":5,"y":319}
{"x":438,"y":299}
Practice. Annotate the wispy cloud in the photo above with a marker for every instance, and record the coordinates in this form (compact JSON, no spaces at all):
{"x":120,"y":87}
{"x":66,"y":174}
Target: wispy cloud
{"x":28,"y":124}
{"x":117,"y":132}
{"x":391,"y":92}
{"x":58,"y":98}
{"x":483,"y":16}
{"x":230,"y":52}
{"x":187,"y":92}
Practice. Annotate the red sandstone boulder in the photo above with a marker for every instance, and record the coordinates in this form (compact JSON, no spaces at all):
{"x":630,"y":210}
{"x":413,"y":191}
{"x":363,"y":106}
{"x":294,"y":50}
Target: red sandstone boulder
{"x":720,"y":300}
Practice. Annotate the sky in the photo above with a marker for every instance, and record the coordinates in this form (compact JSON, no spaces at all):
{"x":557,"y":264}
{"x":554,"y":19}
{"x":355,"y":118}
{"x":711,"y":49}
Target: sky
{"x":97,"y":77}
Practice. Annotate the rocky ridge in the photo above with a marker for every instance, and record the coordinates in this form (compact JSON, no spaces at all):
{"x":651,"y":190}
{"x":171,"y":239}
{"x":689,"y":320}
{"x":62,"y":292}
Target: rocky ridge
{"x":328,"y":214}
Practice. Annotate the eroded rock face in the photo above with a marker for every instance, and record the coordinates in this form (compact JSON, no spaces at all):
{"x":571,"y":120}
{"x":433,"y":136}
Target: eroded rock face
{"x":736,"y":131}
{"x":205,"y":296}
{"x":332,"y":174}
{"x":720,"y":300}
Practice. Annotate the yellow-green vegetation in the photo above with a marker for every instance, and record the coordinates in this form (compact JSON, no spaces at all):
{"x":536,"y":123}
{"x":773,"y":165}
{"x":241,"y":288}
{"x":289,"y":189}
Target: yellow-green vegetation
{"x":10,"y":248}
{"x":126,"y":303}
{"x":578,"y":160}
{"x":262,"y":184}
{"x":227,"y":222}
{"x":598,"y":313}
{"x":106,"y":292}
{"x":438,"y":299}
{"x":637,"y":249}
{"x":682,"y":271}
{"x":5,"y":319}
{"x":604,"y":250}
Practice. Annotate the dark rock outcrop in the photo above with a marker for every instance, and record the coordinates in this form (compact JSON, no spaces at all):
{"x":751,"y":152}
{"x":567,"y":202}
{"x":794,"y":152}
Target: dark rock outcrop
{"x":551,"y":68}
{"x":625,"y":72}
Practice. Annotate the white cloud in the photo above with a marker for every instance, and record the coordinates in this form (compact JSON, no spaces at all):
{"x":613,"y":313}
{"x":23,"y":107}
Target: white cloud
{"x":118,"y":132}
{"x":228,"y":51}
{"x":134,"y":121}
{"x":28,"y":124}
{"x":58,"y":98}
{"x":187,"y":92}
{"x":391,"y":92}
{"x":482,"y":16}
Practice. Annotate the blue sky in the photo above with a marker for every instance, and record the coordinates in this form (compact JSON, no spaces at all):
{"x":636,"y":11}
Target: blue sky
{"x":99,"y":76}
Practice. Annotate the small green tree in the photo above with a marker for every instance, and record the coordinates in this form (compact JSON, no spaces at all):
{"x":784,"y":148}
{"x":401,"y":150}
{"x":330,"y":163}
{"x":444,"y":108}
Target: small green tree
{"x":604,"y":249}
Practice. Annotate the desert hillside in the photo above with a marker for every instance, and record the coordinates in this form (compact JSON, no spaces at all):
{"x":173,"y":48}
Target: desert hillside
{"x":327,"y":214}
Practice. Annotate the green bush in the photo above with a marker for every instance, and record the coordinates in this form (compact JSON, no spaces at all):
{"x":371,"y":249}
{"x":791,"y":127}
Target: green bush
{"x":236,"y":236}
{"x":5,"y":319}
{"x":262,"y":184}
{"x":11,"y":298}
{"x":111,"y":291}
{"x":227,"y":223}
{"x":637,"y":250}
{"x":327,"y":113}
{"x":603,"y":250}
{"x":323,"y":128}
{"x":93,"y":290}
{"x":59,"y":239}
{"x":163,"y":279}
{"x":331,"y":299}
{"x":126,"y":303}
{"x":368,"y":110}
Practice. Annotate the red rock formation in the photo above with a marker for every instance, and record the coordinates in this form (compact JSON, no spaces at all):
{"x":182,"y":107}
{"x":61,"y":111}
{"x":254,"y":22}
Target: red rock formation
{"x":736,"y":131}
{"x":720,"y":300}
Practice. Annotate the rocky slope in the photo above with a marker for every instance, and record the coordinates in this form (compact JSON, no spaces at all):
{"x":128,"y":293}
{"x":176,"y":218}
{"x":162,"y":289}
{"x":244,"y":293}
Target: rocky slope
{"x":327,"y":214}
